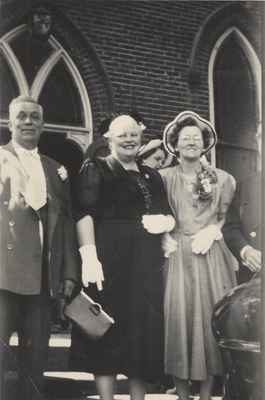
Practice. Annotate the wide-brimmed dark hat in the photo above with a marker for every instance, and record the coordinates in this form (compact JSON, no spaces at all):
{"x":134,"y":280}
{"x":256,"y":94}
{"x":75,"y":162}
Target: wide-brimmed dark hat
{"x":188,"y":118}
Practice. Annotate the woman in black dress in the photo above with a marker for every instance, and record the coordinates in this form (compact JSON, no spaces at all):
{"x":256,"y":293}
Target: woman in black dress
{"x":121,"y":253}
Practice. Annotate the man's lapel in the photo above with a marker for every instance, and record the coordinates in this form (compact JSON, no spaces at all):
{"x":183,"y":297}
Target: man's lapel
{"x":15,"y":172}
{"x":52,"y":201}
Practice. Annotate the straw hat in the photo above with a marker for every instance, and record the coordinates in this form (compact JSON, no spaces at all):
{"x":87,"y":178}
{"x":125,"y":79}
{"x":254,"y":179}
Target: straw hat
{"x":188,"y":118}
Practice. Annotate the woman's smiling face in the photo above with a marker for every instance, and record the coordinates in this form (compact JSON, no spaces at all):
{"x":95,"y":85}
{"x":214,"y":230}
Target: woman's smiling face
{"x":125,"y":141}
{"x":190,"y":143}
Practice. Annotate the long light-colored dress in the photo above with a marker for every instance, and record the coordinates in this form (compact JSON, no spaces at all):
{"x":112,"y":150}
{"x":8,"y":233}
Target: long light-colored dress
{"x":194,"y":283}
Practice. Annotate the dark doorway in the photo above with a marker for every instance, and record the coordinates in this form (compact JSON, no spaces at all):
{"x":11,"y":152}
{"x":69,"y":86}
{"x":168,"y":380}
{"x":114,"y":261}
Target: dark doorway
{"x":235,"y":110}
{"x":65,"y":151}
{"x":5,"y":136}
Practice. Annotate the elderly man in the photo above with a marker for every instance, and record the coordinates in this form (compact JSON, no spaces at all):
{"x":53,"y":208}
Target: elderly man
{"x":242,"y":230}
{"x":38,"y":252}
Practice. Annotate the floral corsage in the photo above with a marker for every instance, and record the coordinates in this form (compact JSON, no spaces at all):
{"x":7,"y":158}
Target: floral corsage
{"x":206,"y":177}
{"x":62,"y":172}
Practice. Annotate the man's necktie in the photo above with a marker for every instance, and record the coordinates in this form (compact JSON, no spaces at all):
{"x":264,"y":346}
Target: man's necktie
{"x":36,"y":191}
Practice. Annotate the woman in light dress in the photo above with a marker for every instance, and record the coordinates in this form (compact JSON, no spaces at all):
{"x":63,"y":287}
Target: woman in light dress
{"x":201,"y":269}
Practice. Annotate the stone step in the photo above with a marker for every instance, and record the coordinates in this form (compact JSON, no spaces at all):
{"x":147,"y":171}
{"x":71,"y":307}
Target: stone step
{"x":63,"y":384}
{"x":59,"y":345}
{"x":70,"y":384}
{"x":61,"y":340}
{"x":81,"y":386}
{"x":158,"y":396}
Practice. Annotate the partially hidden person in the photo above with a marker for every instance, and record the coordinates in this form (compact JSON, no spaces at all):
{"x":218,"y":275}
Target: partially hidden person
{"x":152,"y":154}
{"x":242,"y":230}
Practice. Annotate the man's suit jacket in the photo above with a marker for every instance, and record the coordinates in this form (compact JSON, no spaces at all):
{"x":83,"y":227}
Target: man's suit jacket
{"x":243,"y":221}
{"x":21,"y":260}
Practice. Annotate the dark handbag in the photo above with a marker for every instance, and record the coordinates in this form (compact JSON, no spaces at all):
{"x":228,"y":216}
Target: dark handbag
{"x":89,"y":316}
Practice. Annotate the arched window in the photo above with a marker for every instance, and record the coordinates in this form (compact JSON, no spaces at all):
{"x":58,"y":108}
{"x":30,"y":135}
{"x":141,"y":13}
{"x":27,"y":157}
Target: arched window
{"x":235,"y":101}
{"x":46,"y":71}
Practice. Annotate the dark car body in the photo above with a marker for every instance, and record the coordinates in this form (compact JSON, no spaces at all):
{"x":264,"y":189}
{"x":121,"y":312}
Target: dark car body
{"x":236,"y":326}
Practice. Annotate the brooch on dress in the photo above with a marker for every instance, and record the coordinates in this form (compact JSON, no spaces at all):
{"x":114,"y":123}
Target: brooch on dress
{"x":206,"y":177}
{"x":62,"y":172}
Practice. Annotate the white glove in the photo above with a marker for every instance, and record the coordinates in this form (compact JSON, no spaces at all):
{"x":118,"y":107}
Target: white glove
{"x":159,"y":223}
{"x":91,"y":266}
{"x":203,"y":240}
{"x":169,"y":245}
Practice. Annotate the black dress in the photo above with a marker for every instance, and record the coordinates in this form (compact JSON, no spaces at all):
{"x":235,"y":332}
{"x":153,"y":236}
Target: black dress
{"x":132,"y":261}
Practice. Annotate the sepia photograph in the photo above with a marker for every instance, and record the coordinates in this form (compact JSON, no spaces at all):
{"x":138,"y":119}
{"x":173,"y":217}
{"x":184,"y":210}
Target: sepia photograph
{"x":131,"y":200}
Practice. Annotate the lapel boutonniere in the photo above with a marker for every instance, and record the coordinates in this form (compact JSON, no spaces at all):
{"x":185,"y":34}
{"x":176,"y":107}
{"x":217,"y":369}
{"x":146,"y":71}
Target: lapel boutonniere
{"x":62,"y":172}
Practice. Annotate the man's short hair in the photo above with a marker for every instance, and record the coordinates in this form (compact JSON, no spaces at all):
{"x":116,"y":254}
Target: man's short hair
{"x":23,"y":99}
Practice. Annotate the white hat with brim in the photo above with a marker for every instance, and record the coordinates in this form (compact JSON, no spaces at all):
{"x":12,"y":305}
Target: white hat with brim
{"x":121,"y":124}
{"x":205,"y":126}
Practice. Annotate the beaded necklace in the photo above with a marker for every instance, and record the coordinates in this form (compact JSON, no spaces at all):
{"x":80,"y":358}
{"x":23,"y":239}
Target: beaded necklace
{"x":145,"y":192}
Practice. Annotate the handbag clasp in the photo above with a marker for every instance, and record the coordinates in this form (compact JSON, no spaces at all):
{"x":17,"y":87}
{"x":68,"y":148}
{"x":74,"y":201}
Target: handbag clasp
{"x":95,"y":309}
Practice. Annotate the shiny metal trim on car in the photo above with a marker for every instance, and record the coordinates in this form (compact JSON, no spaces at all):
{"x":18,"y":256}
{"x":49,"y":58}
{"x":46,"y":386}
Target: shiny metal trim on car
{"x":240,"y":345}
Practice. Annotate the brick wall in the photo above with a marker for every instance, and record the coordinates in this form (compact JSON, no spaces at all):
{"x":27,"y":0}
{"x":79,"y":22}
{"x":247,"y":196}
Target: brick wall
{"x":144,"y":50}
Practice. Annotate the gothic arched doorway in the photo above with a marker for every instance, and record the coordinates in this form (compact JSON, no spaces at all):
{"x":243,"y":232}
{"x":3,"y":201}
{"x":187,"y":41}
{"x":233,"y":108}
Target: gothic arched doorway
{"x":236,"y":105}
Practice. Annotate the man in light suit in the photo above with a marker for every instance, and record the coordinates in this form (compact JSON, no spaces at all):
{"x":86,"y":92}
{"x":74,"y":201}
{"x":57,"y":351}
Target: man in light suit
{"x":242,"y":230}
{"x":38,"y":250}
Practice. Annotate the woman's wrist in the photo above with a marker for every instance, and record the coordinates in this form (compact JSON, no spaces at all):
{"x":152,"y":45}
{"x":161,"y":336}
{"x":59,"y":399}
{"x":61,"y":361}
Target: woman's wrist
{"x":170,"y":223}
{"x":88,"y":249}
{"x":158,"y":223}
{"x":216,"y":230}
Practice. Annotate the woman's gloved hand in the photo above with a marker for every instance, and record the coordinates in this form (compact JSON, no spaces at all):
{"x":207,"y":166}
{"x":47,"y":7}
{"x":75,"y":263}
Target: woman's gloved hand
{"x":91,"y":266}
{"x":159,"y":223}
{"x":203,"y":240}
{"x":169,"y":245}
